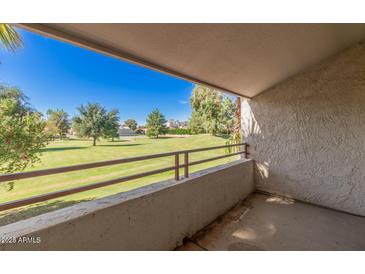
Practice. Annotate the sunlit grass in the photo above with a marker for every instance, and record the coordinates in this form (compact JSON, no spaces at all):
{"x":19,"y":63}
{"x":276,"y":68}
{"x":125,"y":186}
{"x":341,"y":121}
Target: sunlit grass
{"x":72,"y":152}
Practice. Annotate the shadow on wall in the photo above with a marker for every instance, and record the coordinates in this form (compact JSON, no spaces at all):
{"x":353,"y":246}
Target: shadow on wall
{"x":306,"y":134}
{"x":287,"y":143}
{"x":251,"y":132}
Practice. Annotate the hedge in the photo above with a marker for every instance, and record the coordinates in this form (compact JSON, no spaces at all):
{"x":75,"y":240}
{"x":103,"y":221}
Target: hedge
{"x":179,"y":131}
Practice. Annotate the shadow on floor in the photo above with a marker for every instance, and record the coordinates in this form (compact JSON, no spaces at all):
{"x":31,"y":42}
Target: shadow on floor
{"x":15,"y":215}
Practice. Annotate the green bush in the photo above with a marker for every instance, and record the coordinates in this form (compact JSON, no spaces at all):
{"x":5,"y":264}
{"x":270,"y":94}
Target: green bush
{"x":179,"y":131}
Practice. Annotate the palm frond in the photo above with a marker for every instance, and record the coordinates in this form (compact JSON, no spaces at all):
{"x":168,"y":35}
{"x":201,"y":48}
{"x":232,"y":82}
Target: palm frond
{"x":9,"y":37}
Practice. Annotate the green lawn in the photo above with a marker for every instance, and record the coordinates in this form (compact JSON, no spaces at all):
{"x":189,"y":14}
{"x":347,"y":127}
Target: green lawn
{"x":71,"y":152}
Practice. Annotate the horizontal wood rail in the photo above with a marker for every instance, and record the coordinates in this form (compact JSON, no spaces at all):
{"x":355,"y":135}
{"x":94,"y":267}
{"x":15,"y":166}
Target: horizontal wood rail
{"x":56,"y":194}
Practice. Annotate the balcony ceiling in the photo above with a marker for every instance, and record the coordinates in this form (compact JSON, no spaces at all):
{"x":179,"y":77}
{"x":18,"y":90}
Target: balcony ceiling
{"x":244,"y":59}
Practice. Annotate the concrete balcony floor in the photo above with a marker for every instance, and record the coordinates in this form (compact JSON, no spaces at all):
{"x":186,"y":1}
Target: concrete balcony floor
{"x":265,"y":222}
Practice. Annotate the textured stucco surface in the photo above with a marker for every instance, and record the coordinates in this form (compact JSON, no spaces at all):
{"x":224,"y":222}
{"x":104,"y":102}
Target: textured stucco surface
{"x":307,"y":134}
{"x":155,"y":217}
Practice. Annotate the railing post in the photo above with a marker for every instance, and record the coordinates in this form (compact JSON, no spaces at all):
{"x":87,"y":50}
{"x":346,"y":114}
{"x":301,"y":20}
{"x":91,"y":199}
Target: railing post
{"x":186,"y":163}
{"x":177,"y":177}
{"x":246,"y":151}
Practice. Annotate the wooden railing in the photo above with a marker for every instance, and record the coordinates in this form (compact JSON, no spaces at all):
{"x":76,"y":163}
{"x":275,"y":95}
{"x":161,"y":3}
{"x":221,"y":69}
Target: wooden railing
{"x":176,"y":167}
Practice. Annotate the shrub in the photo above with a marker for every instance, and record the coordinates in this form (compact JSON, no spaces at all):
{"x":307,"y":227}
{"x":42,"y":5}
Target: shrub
{"x":179,"y":131}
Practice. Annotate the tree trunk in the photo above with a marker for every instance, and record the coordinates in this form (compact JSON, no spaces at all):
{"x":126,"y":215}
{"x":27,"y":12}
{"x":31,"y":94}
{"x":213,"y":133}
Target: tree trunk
{"x":94,"y":141}
{"x":237,"y":126}
{"x":237,"y":135}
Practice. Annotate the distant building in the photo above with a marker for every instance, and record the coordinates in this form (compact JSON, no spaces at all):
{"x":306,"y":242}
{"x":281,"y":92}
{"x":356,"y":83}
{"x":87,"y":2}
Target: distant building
{"x":141,"y":130}
{"x":182,"y":124}
{"x":125,"y":131}
{"x":171,"y":123}
{"x":71,"y":133}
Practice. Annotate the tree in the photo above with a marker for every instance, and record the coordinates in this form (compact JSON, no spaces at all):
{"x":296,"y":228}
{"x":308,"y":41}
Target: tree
{"x":235,"y":137}
{"x":131,"y":123}
{"x":51,"y":129}
{"x":9,"y":37}
{"x":226,"y":117}
{"x":156,"y":124}
{"x":22,"y":134}
{"x":237,"y":118}
{"x":58,"y":122}
{"x":91,"y":121}
{"x":212,"y":110}
{"x":111,"y":129}
{"x":196,"y":123}
{"x":21,"y":101}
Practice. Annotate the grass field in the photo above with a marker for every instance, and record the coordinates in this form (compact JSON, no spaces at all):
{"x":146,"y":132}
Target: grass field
{"x":71,"y":152}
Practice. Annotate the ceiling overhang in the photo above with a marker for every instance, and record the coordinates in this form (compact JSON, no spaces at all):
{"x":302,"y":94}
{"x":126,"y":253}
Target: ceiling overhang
{"x":243,"y":59}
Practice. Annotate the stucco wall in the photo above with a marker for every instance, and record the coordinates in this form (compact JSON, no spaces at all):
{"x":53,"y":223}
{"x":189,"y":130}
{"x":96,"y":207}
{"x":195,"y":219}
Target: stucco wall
{"x":156,"y":217}
{"x":307,"y":134}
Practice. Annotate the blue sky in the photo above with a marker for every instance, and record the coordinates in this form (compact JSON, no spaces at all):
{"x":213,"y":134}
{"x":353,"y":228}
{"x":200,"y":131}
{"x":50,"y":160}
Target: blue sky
{"x":54,"y":74}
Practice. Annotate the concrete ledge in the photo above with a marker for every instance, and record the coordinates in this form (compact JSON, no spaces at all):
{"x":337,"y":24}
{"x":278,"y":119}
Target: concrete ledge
{"x":155,"y":217}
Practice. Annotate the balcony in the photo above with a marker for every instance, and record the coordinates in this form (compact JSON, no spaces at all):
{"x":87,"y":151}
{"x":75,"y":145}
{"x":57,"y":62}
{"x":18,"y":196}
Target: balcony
{"x":214,"y":209}
{"x":301,"y":186}
{"x":155,"y":217}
